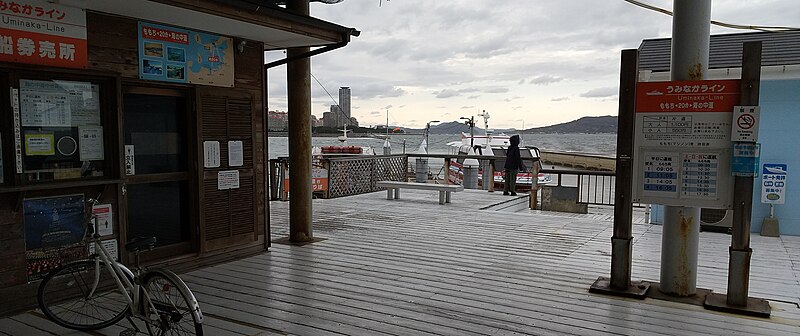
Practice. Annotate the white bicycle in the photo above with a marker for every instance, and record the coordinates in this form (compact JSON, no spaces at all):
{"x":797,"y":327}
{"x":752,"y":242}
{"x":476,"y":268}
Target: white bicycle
{"x":97,"y":292}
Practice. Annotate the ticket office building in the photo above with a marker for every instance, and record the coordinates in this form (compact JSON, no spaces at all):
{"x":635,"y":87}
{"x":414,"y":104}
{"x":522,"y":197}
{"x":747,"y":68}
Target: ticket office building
{"x":139,"y":103}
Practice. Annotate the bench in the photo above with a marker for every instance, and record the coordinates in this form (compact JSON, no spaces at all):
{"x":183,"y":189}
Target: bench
{"x":393,"y":187}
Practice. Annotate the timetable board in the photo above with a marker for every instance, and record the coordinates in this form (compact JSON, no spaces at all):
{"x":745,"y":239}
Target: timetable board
{"x":682,"y":149}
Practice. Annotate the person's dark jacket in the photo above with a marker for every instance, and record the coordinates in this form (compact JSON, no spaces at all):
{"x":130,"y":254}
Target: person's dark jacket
{"x":513,"y":159}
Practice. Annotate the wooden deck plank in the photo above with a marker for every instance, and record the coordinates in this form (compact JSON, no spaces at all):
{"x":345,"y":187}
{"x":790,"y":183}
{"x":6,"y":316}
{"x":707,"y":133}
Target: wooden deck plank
{"x":412,"y":267}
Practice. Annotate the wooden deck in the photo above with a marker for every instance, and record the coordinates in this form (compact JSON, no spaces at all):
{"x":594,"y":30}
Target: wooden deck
{"x":414,"y":267}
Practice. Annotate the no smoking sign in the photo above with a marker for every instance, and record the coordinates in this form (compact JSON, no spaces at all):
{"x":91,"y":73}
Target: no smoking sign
{"x":745,"y":123}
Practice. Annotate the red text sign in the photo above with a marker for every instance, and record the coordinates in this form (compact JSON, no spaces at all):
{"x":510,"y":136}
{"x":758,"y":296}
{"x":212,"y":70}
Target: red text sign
{"x":687,"y":96}
{"x":39,"y":32}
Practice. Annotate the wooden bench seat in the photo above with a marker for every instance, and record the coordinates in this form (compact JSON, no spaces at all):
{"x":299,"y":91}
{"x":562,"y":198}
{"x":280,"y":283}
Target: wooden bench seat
{"x":393,"y":189}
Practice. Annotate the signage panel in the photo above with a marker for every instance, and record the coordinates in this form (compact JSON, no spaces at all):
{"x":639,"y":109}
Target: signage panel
{"x":44,"y":33}
{"x":745,"y":123}
{"x":773,"y":183}
{"x":683,"y":150}
{"x":183,"y":56}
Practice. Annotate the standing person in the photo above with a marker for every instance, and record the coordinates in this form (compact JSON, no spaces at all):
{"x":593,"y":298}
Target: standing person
{"x":512,"y":167}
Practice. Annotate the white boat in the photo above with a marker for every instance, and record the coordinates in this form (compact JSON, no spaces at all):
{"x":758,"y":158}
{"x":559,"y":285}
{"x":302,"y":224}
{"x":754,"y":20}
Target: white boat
{"x":494,"y":144}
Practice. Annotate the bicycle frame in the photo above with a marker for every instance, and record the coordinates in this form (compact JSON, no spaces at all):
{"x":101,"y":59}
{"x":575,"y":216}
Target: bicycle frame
{"x":122,"y":282}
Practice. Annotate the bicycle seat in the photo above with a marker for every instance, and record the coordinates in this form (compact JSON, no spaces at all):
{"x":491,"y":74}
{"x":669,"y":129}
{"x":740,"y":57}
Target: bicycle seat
{"x":138,"y":244}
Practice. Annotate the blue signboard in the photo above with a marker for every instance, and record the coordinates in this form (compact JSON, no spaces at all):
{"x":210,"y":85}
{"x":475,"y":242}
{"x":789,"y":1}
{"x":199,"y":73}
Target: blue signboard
{"x":745,"y":159}
{"x":183,"y":56}
{"x":773,"y":183}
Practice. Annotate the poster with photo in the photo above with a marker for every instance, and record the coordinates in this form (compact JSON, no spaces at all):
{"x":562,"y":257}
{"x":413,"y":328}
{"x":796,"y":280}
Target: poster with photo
{"x":180,"y":55}
{"x":54,"y":231}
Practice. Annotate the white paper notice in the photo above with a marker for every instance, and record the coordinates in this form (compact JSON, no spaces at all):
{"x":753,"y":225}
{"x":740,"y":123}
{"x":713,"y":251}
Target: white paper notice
{"x":44,"y":103}
{"x":90,"y":140}
{"x":211,"y":154}
{"x":130,"y":161}
{"x":235,"y":153}
{"x":105,"y":220}
{"x":110,"y":246}
{"x":228,"y":179}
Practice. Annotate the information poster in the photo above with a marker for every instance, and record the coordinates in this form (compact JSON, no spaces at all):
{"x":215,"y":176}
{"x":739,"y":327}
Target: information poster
{"x":54,"y":229}
{"x":105,"y":219}
{"x":683,"y":142}
{"x":211,"y":154}
{"x":773,"y":183}
{"x":228,"y":179}
{"x":59,"y":103}
{"x":39,"y":144}
{"x":235,"y":153}
{"x":90,"y":142}
{"x":184,"y":56}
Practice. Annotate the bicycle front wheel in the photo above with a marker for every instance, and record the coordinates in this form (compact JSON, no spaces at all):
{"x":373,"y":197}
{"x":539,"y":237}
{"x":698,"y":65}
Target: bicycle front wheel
{"x":82,"y":295}
{"x":176,"y":310}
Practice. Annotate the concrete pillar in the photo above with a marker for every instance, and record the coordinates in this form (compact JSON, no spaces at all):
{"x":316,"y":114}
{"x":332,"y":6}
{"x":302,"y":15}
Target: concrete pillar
{"x":691,"y":29}
{"x":298,"y":77}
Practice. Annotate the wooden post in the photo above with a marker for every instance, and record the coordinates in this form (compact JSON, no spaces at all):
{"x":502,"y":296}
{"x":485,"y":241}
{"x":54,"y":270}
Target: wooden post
{"x":491,"y":175}
{"x":298,"y":77}
{"x":622,"y":241}
{"x":737,"y":300}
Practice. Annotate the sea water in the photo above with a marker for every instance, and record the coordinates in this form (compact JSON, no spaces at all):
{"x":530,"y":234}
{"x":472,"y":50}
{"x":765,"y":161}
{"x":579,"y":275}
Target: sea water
{"x":603,"y":143}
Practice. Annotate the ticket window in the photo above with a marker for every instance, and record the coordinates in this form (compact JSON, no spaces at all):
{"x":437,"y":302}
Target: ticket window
{"x":57,"y":131}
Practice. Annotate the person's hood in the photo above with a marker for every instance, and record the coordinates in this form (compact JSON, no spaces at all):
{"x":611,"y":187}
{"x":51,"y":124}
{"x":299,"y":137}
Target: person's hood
{"x":515,"y":140}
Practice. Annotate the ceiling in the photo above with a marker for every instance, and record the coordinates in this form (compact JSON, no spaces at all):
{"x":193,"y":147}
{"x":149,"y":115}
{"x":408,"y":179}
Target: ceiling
{"x":276,"y":28}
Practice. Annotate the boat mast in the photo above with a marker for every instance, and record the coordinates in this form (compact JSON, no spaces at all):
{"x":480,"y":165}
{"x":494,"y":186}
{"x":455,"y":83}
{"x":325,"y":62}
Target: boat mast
{"x":485,"y":116}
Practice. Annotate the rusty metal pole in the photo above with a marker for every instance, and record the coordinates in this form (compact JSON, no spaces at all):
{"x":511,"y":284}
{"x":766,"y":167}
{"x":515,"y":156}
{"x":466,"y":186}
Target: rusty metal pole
{"x":298,"y":77}
{"x":691,"y":31}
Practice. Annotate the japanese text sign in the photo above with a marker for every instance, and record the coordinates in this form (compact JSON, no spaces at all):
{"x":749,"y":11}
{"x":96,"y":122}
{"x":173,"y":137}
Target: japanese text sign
{"x":183,"y":56}
{"x":683,"y":147}
{"x":773,"y":183}
{"x":40,"y":32}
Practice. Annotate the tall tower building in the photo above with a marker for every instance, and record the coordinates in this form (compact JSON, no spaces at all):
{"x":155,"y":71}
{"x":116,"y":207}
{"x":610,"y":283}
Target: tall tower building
{"x":344,"y":102}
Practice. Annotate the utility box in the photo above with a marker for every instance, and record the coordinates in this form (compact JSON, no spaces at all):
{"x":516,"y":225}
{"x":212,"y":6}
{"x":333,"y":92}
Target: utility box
{"x":562,"y":199}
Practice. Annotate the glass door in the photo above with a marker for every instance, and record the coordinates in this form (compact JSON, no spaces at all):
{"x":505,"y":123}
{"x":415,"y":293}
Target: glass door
{"x":158,"y":147}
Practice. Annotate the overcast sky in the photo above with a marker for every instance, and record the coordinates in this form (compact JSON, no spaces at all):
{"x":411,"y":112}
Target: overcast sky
{"x":527,"y":62}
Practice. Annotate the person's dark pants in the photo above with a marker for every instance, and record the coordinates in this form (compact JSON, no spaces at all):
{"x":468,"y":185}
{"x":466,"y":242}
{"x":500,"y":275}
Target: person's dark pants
{"x":510,"y":185}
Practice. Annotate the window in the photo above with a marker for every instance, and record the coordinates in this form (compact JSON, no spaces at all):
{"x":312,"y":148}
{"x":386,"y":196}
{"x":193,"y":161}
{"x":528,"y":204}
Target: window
{"x":61,"y":130}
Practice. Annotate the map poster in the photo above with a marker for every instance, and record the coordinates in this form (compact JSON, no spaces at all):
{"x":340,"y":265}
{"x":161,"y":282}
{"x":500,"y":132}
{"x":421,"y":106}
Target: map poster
{"x":183,"y":56}
{"x":54,"y":228}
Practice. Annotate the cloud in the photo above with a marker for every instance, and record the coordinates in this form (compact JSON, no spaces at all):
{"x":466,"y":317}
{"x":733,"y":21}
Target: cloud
{"x":545,"y":80}
{"x":446,"y":93}
{"x":603,"y":92}
{"x":496,"y":90}
{"x":557,"y":99}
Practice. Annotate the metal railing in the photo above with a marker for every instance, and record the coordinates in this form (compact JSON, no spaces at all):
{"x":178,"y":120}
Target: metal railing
{"x":594,"y":187}
{"x":352,"y":175}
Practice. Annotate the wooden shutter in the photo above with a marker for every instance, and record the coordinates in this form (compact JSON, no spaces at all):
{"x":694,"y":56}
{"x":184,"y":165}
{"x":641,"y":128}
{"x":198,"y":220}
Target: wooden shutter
{"x":227,"y":217}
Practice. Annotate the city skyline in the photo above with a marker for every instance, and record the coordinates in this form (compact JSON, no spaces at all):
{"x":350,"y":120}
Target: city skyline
{"x":554,"y":63}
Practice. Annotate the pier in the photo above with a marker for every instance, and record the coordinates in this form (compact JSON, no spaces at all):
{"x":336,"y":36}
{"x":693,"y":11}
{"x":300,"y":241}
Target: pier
{"x":481,"y":265}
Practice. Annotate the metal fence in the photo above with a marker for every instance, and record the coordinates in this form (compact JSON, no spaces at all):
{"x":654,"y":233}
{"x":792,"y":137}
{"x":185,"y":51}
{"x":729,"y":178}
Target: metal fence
{"x":594,"y":187}
{"x":357,"y":175}
{"x":344,"y":175}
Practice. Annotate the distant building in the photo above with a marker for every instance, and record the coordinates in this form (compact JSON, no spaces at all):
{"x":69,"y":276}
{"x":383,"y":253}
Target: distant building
{"x":344,"y":101}
{"x":329,"y":119}
{"x":277,"y":121}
